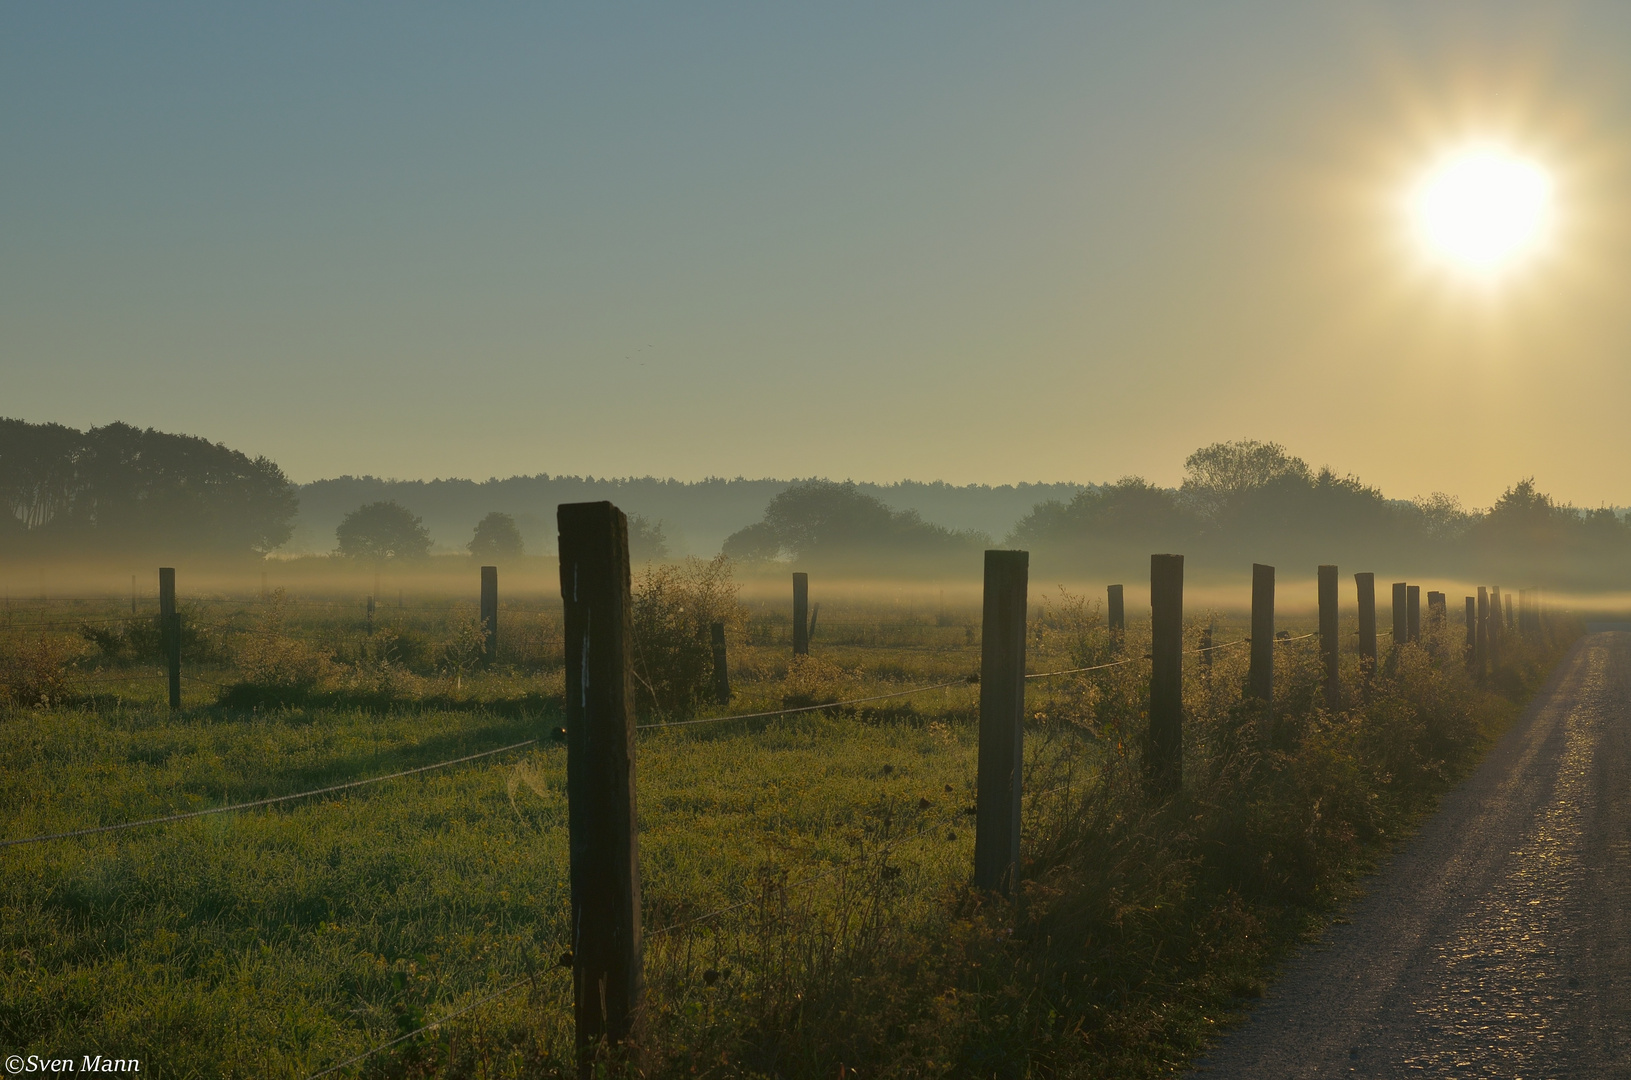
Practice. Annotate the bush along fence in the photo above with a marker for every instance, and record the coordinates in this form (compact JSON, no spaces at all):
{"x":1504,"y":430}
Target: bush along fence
{"x":606,"y":949}
{"x":601,"y":770}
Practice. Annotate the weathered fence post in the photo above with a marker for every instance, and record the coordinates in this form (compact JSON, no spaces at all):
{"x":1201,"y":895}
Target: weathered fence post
{"x":1492,"y":628}
{"x":1260,"y":677}
{"x":170,"y":632}
{"x":1401,"y":614}
{"x":1437,"y":612}
{"x":1481,"y":644}
{"x":1165,"y":760}
{"x":600,"y":783}
{"x":1509,"y":625}
{"x":1472,"y":632}
{"x":722,"y":673}
{"x":489,"y":614}
{"x":1116,"y":611}
{"x":1412,"y":609}
{"x":1002,"y":712}
{"x":801,"y":614}
{"x":1328,"y":634}
{"x":1366,"y":587}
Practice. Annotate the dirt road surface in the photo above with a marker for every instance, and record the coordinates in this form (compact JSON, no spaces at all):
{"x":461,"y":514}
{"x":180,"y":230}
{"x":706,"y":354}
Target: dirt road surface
{"x":1498,"y":941}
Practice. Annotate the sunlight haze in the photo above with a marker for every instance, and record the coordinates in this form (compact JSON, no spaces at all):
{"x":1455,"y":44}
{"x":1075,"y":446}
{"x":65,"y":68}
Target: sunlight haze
{"x":924,"y":242}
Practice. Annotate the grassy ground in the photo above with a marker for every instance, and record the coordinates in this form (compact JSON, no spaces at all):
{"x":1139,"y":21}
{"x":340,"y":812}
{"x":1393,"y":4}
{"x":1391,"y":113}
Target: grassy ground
{"x":804,"y":898}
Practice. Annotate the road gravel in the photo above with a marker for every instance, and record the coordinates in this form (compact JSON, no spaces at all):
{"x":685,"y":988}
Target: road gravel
{"x":1497,"y":943}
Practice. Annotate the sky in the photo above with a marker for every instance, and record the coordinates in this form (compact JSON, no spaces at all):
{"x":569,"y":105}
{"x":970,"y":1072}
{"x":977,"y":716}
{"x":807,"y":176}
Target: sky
{"x":981,"y":244}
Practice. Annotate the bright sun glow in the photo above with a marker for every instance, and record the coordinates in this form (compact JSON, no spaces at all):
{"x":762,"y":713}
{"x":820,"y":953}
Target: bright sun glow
{"x":1482,"y":208}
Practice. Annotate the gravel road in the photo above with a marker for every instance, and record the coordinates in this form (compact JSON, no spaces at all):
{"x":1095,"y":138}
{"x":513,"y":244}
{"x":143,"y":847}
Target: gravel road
{"x":1497,"y":942}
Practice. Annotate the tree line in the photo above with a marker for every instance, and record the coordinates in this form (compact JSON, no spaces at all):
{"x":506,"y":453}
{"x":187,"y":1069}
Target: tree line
{"x":125,"y":490}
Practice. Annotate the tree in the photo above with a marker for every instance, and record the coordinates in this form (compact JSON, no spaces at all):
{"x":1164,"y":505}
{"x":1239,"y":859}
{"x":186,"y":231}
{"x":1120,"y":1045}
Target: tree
{"x":647,"y":541}
{"x":821,"y":518}
{"x":122,"y":488}
{"x":382,"y":530}
{"x":496,"y":537}
{"x":1130,"y":511}
{"x":1216,"y":477}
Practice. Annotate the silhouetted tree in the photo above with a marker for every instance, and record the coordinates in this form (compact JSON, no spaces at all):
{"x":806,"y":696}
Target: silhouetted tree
{"x":1217,"y":477}
{"x":1131,"y":510}
{"x":647,"y":541}
{"x":382,"y":530}
{"x":824,"y":520}
{"x":121,"y":488}
{"x":497,"y":537}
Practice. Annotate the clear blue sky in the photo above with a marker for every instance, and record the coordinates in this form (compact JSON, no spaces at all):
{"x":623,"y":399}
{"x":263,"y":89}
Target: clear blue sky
{"x":997,"y":243}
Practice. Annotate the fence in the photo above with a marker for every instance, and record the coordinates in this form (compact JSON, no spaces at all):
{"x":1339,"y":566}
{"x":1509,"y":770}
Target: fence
{"x":601,"y":729}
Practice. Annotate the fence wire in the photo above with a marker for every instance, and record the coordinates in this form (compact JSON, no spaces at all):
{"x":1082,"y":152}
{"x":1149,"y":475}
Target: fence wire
{"x":516,"y":984}
{"x":260,"y":802}
{"x":962,"y":681}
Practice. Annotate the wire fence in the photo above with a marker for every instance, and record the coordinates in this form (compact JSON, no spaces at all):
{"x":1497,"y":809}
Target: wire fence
{"x":350,"y":609}
{"x":879,"y":854}
{"x":252,"y":804}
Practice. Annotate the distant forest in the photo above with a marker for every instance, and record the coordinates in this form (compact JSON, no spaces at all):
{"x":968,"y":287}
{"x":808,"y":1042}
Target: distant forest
{"x":123,"y":490}
{"x":695,"y":517}
{"x":1244,"y":502}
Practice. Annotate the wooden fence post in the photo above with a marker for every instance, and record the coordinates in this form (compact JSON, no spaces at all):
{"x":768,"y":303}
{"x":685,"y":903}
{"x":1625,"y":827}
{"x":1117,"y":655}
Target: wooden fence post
{"x":1481,"y":643}
{"x":1164,"y":762}
{"x":1366,"y":586}
{"x":1472,"y":632}
{"x":1401,"y":614}
{"x":1260,"y":678}
{"x":1492,"y":628}
{"x":1509,"y":625}
{"x":170,"y":632}
{"x":722,"y":673}
{"x":1002,"y":713}
{"x":1116,"y":611}
{"x":600,"y":782}
{"x":801,"y":614}
{"x":1328,"y":634}
{"x":489,"y":614}
{"x":1413,"y":613}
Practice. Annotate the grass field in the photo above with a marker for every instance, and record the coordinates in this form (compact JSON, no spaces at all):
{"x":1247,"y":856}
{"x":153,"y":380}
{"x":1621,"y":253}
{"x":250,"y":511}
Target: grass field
{"x":804,"y":900}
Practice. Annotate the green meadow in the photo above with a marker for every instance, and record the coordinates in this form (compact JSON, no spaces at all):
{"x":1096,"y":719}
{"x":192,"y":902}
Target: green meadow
{"x":805,"y":899}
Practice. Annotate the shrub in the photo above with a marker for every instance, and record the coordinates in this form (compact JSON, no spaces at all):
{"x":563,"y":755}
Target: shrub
{"x":461,"y":649}
{"x":34,"y":673}
{"x":673,"y":608}
{"x":142,"y":640}
{"x":274,"y":667}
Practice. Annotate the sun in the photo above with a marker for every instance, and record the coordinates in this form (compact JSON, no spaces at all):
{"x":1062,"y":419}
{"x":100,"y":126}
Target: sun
{"x":1482,"y":209}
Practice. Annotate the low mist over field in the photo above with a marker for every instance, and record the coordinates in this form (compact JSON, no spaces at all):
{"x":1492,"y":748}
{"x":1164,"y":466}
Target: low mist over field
{"x":117,"y":496}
